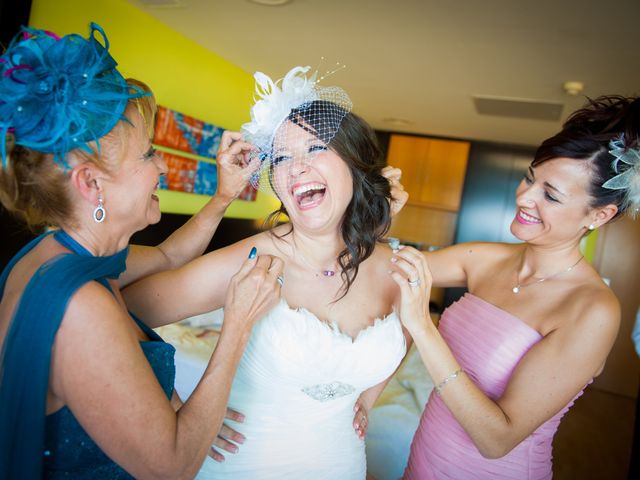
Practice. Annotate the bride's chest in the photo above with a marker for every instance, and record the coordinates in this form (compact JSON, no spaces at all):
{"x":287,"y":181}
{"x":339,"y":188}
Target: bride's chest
{"x":325,"y":300}
{"x":293,"y":345}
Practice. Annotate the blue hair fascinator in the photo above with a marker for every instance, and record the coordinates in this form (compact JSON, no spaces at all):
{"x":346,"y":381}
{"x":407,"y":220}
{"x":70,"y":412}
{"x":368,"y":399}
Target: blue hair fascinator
{"x":58,"y":94}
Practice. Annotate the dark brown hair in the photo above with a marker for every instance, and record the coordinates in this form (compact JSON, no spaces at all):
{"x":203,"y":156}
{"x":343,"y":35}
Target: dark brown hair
{"x":586,"y":134}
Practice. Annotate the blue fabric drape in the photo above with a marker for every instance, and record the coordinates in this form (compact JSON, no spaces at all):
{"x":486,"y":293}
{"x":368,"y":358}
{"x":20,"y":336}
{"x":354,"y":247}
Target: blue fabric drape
{"x":26,"y":353}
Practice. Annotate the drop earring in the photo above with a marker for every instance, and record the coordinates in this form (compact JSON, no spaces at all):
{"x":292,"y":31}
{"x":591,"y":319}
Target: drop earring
{"x":99,"y":213}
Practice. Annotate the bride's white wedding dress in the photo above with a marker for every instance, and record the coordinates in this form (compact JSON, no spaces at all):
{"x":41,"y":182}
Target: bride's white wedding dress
{"x":297,"y":385}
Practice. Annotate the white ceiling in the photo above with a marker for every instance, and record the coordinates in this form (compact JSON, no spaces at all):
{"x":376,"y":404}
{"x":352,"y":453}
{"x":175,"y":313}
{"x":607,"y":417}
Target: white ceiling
{"x":422,"y":60}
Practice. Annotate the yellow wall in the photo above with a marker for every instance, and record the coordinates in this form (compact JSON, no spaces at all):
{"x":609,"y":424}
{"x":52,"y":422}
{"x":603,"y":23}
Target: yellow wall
{"x":588,"y":245}
{"x":183,"y":75}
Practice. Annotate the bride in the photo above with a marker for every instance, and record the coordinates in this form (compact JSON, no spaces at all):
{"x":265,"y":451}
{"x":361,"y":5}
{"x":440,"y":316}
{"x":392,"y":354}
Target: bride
{"x":333,"y":340}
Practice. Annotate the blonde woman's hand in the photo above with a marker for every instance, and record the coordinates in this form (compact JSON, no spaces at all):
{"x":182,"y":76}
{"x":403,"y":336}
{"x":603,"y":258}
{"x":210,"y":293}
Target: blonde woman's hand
{"x":234,"y":165}
{"x":398,"y":196}
{"x":411,"y":272}
{"x":228,"y":439}
{"x":253,"y":291}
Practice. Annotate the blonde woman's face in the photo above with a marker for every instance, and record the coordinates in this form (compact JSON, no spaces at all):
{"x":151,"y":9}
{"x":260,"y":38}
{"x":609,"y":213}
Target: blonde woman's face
{"x":129,"y":196}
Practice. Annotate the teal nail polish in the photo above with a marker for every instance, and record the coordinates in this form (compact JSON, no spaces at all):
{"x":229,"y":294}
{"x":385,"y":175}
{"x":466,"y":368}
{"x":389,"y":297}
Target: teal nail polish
{"x":253,"y":252}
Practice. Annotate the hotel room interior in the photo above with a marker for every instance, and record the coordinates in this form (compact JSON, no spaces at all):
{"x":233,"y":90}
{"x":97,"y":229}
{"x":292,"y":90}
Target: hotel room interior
{"x":460,"y":93}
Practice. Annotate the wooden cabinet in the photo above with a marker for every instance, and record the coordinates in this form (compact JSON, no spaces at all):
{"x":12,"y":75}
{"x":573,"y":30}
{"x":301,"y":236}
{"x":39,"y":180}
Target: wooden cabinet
{"x":433,"y":170}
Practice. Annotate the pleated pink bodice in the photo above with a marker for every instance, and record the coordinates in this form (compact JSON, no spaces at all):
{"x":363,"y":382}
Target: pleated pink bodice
{"x":488,"y":343}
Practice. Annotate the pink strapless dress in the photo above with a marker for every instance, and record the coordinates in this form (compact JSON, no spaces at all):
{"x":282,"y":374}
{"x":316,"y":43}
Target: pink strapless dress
{"x":488,"y":343}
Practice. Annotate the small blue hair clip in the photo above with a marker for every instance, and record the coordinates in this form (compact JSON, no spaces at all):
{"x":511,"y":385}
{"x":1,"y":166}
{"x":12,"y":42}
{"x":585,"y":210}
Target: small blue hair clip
{"x":626,"y":163}
{"x":58,"y":94}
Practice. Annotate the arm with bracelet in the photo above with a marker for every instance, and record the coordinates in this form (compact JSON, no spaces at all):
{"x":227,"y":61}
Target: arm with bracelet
{"x":537,"y":323}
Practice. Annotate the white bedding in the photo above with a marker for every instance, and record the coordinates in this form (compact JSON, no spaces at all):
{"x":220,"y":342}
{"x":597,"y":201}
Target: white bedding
{"x":393,"y":420}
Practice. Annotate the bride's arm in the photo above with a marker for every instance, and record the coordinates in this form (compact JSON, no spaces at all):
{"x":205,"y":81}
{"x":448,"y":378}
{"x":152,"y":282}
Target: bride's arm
{"x":198,"y":287}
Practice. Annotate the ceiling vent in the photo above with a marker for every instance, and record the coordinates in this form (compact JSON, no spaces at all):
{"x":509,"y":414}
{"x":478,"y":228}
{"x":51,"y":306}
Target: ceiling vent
{"x":517,"y":108}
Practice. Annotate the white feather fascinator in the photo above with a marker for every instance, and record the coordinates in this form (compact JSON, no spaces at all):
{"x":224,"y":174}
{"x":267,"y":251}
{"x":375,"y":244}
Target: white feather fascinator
{"x":298,"y":94}
{"x":273,"y":103}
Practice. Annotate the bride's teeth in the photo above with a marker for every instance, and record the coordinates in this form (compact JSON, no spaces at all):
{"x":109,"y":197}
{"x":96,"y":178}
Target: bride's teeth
{"x":305,"y":188}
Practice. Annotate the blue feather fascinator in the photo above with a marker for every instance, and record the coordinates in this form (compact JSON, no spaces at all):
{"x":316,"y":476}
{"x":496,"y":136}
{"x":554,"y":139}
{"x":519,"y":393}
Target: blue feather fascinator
{"x":58,"y":94}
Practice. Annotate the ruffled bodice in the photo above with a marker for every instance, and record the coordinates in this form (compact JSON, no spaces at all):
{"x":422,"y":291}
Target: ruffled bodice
{"x":488,"y":343}
{"x":297,"y":384}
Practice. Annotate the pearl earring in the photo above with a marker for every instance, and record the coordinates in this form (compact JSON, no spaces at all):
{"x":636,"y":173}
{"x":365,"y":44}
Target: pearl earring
{"x":591,"y":227}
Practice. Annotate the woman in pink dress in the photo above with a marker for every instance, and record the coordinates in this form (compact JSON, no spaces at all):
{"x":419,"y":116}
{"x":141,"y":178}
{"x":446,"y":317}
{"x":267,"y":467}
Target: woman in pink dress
{"x":510,"y":357}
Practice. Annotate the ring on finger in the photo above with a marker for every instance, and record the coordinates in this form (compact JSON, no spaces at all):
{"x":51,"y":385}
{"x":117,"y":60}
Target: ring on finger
{"x":414,"y":283}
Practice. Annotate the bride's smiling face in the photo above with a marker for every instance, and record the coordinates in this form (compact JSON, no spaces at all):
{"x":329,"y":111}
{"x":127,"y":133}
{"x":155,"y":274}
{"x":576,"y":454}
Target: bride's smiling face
{"x":311,"y":180}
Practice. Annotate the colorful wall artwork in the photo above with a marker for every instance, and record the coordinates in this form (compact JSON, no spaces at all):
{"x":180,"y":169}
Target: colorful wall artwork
{"x":185,"y":133}
{"x":193,"y":172}
{"x":188,"y":175}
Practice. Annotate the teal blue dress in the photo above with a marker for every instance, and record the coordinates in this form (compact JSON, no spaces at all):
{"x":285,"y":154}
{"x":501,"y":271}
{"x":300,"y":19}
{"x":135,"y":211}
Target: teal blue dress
{"x":33,"y":444}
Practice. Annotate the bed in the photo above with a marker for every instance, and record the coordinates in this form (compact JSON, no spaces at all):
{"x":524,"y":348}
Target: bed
{"x":393,"y":420}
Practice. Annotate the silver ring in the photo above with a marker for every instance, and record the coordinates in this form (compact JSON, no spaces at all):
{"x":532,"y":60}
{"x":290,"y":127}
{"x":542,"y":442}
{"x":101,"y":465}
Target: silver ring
{"x":414,"y":283}
{"x":280,"y":280}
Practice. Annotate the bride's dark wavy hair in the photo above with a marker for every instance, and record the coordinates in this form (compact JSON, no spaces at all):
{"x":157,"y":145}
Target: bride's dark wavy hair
{"x":367,"y":217}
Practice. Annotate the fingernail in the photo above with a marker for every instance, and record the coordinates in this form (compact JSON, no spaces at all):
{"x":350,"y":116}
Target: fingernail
{"x":394,"y":259}
{"x":253,"y":252}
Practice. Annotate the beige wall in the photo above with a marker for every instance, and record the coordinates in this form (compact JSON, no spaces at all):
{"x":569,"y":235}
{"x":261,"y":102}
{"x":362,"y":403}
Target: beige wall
{"x":618,"y":259}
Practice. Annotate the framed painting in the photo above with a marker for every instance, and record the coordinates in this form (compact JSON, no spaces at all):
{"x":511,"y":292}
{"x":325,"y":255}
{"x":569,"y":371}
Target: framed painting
{"x":189,"y":147}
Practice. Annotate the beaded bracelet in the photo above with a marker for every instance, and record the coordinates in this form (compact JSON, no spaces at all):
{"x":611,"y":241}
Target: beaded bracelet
{"x":452,"y":376}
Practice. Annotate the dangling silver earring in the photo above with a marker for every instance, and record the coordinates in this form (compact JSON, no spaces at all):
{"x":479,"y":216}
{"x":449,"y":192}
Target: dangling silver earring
{"x":591,"y":227}
{"x":99,"y":213}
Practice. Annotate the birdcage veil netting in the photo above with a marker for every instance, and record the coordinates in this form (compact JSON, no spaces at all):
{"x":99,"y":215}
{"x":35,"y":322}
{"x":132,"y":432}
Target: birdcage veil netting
{"x":292,"y":121}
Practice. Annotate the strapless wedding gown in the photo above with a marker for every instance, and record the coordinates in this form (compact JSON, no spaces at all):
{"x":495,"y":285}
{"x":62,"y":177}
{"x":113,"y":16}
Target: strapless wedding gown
{"x":296,"y":385}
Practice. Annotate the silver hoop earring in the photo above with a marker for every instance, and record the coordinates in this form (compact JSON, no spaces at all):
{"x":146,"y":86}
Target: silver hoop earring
{"x":591,"y":227}
{"x":99,"y":213}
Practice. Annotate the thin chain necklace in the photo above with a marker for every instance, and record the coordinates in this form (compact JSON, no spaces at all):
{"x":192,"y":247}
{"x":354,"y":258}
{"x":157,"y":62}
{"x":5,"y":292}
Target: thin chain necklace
{"x":325,"y":273}
{"x":520,"y":286}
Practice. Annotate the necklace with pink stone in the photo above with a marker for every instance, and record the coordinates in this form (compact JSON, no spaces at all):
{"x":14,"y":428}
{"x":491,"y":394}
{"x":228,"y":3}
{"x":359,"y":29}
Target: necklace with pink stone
{"x":325,"y":272}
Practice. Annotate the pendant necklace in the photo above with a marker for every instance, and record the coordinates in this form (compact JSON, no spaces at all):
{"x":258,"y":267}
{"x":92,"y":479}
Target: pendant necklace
{"x":325,"y":272}
{"x":520,"y":286}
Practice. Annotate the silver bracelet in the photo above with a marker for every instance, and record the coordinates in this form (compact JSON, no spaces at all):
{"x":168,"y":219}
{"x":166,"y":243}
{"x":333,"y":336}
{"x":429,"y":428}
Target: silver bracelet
{"x":452,"y":376}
